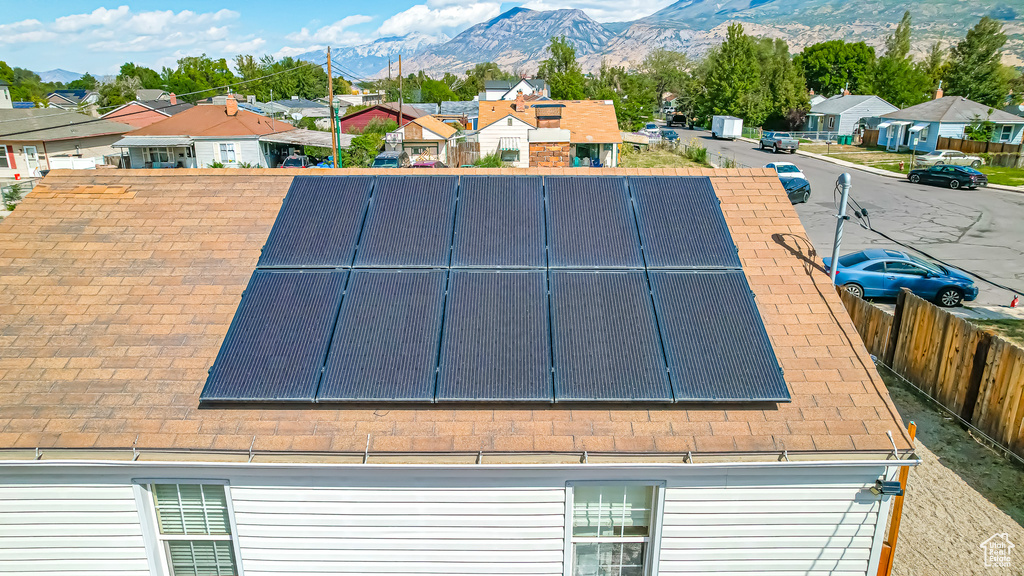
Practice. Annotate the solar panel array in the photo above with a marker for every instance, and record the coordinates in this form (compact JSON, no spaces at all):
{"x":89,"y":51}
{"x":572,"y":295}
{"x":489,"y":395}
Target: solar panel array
{"x":498,"y":289}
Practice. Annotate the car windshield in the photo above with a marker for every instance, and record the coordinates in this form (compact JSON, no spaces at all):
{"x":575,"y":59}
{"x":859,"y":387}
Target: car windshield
{"x":934,"y":268}
{"x":935,"y":153}
{"x":782,"y":134}
{"x":783,"y":168}
{"x":852,"y":259}
{"x":971,"y":170}
{"x":385,"y":162}
{"x":290,"y":162}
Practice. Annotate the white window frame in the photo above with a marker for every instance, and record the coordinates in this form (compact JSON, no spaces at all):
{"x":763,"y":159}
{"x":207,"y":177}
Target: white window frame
{"x":223,"y":147}
{"x":5,"y":161}
{"x":159,"y":149}
{"x":831,"y":122}
{"x":156,"y":551}
{"x":1006,"y":129}
{"x":653,"y":538}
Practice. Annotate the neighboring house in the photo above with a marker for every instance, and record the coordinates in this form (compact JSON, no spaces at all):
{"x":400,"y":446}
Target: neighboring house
{"x":125,"y":285}
{"x":150,"y":94}
{"x":424,"y":138}
{"x":505,"y":90}
{"x":554,"y":133}
{"x":80,"y":100}
{"x":842,"y":114}
{"x":297,"y":108}
{"x":920,"y":127}
{"x":207,"y":134}
{"x":39,"y":139}
{"x":6,"y":103}
{"x":361,"y":98}
{"x":456,"y":109}
{"x":428,"y":107}
{"x":139,"y":113}
{"x":360,"y":118}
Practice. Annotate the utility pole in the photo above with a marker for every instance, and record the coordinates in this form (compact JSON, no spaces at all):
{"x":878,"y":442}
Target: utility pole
{"x":401,"y":108}
{"x":330,"y":98}
{"x":844,"y":182}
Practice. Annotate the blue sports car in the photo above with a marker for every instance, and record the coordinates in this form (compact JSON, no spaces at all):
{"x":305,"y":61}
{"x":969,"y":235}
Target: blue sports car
{"x":879,"y":273}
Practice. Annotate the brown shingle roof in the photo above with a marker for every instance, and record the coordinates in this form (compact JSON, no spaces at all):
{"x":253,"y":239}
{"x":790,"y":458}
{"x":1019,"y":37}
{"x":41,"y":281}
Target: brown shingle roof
{"x":436,"y":126}
{"x":117,"y":288}
{"x":587,"y":120}
{"x":213,"y":120}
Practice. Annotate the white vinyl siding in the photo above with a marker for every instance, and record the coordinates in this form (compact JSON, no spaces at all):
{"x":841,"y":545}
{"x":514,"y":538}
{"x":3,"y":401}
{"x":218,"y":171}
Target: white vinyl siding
{"x":400,"y":531}
{"x":246,"y":150}
{"x":490,"y":136}
{"x":871,"y":107}
{"x":70,"y":530}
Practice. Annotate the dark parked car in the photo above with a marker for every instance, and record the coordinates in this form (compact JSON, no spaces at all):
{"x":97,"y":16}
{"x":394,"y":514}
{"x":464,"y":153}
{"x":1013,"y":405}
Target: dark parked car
{"x":677,"y":119}
{"x":949,"y":176}
{"x":882,"y":273}
{"x":296,"y":161}
{"x":798,"y":189}
{"x":429,"y":164}
{"x":391,"y":160}
{"x":670,"y":135}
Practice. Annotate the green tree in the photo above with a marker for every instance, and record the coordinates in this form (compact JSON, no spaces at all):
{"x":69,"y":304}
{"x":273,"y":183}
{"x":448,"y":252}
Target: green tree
{"x":198,"y":76}
{"x":481,"y":73}
{"x":934,"y":66}
{"x":731,"y":78}
{"x":86,"y":82}
{"x":435,"y":91}
{"x":1016,"y":83}
{"x":633,"y":94}
{"x":148,"y":78}
{"x":667,"y":71}
{"x":975,"y":70}
{"x":118,"y":91}
{"x":782,"y":84}
{"x":830,"y":67}
{"x":26,"y":84}
{"x":897,"y":80}
{"x":562,"y":71}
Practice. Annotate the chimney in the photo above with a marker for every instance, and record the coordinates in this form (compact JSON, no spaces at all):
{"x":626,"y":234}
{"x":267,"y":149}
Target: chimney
{"x":231,"y":106}
{"x":520,"y":102}
{"x":812,"y":91}
{"x":174,"y":99}
{"x":846,"y":90}
{"x":938,"y":93}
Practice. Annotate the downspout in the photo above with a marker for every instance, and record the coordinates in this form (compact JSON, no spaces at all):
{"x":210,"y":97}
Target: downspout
{"x":889,"y":547}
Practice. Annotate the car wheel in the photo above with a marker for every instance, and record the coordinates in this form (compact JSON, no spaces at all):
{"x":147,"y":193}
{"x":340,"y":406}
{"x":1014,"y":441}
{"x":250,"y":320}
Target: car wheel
{"x":915,"y":178}
{"x":950,"y":297}
{"x":854,"y":289}
{"x":760,"y":145}
{"x":954,"y":184}
{"x":776,"y":148}
{"x":976,"y":163}
{"x":807,"y":196}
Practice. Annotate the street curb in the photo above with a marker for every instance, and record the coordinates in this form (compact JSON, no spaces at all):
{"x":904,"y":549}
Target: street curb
{"x":879,"y":171}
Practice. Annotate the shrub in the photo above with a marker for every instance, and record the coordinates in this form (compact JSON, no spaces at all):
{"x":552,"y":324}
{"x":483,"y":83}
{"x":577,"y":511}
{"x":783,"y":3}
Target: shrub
{"x":492,"y":160}
{"x":12,"y":195}
{"x":247,"y":165}
{"x":215,"y":165}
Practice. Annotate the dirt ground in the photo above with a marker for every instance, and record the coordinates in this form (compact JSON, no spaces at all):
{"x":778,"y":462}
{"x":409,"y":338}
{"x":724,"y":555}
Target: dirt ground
{"x":961,"y":494}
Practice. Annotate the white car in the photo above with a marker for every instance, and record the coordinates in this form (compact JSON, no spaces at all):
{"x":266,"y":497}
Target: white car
{"x":955,"y":157}
{"x":651,"y":129}
{"x":786,"y":170}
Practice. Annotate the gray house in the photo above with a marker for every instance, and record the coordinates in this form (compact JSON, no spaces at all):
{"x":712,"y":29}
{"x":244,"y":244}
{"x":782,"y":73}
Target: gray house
{"x":920,"y":127}
{"x":842,"y":114}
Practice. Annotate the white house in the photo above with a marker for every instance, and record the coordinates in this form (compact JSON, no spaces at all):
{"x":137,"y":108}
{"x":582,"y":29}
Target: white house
{"x":506,"y":90}
{"x":920,"y":127}
{"x":37,"y":139}
{"x":843,"y":113}
{"x":509,"y":136}
{"x":425,"y":139}
{"x":110,"y":462}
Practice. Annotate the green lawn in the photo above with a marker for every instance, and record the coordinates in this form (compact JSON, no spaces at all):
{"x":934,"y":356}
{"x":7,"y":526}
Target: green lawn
{"x":1004,"y":176}
{"x":1012,"y":330}
{"x":879,"y":158}
{"x":657,"y":158}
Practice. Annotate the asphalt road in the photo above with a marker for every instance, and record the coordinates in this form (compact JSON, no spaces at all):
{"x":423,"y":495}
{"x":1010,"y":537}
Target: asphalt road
{"x":980,"y":231}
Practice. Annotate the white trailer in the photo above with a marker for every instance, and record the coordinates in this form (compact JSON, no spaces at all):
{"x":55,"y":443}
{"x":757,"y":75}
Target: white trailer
{"x":726,"y":127}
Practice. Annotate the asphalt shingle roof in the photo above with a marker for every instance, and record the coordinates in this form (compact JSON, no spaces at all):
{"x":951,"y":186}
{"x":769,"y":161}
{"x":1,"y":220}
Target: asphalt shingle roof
{"x":839,"y":104}
{"x":46,"y":124}
{"x":953,"y":109}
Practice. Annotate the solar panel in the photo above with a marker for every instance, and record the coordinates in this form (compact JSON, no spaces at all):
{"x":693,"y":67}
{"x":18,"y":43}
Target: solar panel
{"x":385,"y":342}
{"x":277,"y":341}
{"x":319,"y":223}
{"x":606,"y":344}
{"x":500,"y":222}
{"x":590,"y":223}
{"x":716,"y":344}
{"x":409,"y":222}
{"x":495,"y":344}
{"x":681,"y":223}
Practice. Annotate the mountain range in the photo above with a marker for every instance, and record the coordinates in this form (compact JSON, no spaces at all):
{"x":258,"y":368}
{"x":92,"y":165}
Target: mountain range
{"x":59,"y":75}
{"x":517,"y":39}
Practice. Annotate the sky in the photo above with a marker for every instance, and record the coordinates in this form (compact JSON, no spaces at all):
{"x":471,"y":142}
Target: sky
{"x":95,"y":37}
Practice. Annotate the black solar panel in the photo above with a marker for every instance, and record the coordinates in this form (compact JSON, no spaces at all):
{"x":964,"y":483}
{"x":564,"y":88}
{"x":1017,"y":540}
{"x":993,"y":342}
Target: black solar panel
{"x":681,"y":223}
{"x":319,"y":222}
{"x":500,"y":222}
{"x":716,"y":344}
{"x":495,"y":344}
{"x":278,"y":338}
{"x":385,"y":343}
{"x":590,"y":223}
{"x":409,"y":222}
{"x":606,"y":344}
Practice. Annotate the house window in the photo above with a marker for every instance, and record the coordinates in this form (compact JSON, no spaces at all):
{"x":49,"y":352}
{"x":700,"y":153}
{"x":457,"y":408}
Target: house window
{"x":227,"y":153}
{"x":4,"y":162}
{"x":194,"y":529}
{"x":509,"y":121}
{"x":1005,"y":132}
{"x":611,"y":529}
{"x":831,"y":122}
{"x":158,"y":155}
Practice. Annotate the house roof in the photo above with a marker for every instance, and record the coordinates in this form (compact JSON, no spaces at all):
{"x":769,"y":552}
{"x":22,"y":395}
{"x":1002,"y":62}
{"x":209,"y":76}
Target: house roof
{"x":841,"y":103}
{"x":497,"y":85}
{"x":118,"y":287}
{"x":213,"y":120}
{"x":162,"y":106}
{"x":953,"y":109}
{"x":468,"y":108}
{"x":299,"y":103}
{"x":428,"y":107}
{"x":72,"y":96}
{"x":145,"y":94}
{"x":407,"y":110}
{"x":587,"y":120}
{"x":434,"y":125}
{"x":47,"y":124}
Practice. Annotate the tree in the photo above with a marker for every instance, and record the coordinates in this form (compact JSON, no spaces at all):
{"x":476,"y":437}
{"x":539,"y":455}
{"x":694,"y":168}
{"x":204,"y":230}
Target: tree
{"x":148,"y":78}
{"x":118,"y":91}
{"x":633,"y":94}
{"x":833,"y":66}
{"x":666,"y":70}
{"x":897,"y":80}
{"x":562,"y":72}
{"x":435,"y":91}
{"x":86,"y":82}
{"x":975,"y":69}
{"x":782,"y":84}
{"x":196,"y":77}
{"x":731,"y":74}
{"x":476,"y":77}
{"x":934,"y":66}
{"x":1016,"y":84}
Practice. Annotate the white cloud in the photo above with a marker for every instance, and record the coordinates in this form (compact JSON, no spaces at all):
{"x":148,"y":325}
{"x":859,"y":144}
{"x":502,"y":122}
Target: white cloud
{"x":438,"y":15}
{"x":604,"y":10}
{"x":334,"y":34}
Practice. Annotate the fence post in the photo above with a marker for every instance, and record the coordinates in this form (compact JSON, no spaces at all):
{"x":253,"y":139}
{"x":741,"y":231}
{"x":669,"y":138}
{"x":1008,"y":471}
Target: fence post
{"x":894,"y":333}
{"x":977,"y":373}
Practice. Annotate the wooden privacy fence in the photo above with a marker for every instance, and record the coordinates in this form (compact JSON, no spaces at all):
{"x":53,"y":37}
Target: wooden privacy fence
{"x":972,"y":372}
{"x":976,"y":147}
{"x":870,"y":138}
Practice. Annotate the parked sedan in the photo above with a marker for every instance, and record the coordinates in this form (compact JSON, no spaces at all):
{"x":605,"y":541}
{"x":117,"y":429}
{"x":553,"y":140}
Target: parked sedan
{"x":785,"y":169}
{"x":954,"y":157}
{"x":881,"y":273}
{"x":670,"y":135}
{"x":949,"y":176}
{"x":779,"y":141}
{"x":798,"y":189}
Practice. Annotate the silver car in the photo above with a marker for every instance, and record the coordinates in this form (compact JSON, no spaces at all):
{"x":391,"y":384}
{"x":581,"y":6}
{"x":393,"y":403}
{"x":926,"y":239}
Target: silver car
{"x":954,"y":157}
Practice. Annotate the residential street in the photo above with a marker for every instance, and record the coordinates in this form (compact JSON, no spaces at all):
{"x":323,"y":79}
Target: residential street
{"x":978,"y":230}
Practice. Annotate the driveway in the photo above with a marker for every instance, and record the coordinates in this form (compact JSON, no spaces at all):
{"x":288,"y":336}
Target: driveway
{"x":980,"y":231}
